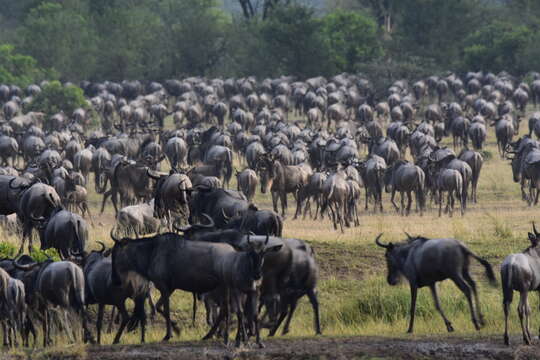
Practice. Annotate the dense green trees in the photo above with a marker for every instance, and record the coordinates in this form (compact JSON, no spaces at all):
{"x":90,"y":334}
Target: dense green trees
{"x":160,"y":39}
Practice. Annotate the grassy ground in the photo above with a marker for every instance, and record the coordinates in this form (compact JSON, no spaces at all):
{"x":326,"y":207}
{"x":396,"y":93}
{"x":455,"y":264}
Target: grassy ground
{"x":355,"y":298}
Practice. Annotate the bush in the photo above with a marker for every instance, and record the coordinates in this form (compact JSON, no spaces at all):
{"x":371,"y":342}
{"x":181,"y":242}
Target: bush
{"x":55,"y":98}
{"x":19,"y":69}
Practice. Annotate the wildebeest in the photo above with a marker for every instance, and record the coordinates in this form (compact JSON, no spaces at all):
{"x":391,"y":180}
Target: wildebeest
{"x":406,"y":178}
{"x":258,"y":222}
{"x":475,"y":161}
{"x":247,"y":182}
{"x":219,"y":204}
{"x":302,"y":281}
{"x":281,"y":180}
{"x":451,"y":182}
{"x":100,"y":290}
{"x":60,"y":284}
{"x":138,"y":219}
{"x":334,"y":198}
{"x":172,"y":262}
{"x":521,"y":272}
{"x":424,"y":262}
{"x":63,"y":231}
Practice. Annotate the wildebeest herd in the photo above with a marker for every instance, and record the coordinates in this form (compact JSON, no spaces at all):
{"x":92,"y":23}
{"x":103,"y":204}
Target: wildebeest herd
{"x":320,"y":140}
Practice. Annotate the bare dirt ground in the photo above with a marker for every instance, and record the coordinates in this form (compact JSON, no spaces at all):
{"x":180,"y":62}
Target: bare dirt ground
{"x":327,"y":348}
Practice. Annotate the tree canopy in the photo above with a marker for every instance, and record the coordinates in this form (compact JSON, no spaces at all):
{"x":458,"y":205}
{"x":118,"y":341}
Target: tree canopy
{"x":160,"y":39}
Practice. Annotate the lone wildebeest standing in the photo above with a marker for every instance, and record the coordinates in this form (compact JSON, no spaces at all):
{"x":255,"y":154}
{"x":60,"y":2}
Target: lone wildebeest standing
{"x":424,"y":262}
{"x":521,"y":272}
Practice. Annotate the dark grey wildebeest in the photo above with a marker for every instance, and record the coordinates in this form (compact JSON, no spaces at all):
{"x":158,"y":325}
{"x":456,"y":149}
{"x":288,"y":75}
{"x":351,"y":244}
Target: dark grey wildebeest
{"x":281,"y":180}
{"x":406,"y":178}
{"x":101,"y":291}
{"x":451,"y":182}
{"x":424,"y":262}
{"x":475,"y":161}
{"x":504,"y":131}
{"x":335,"y":194}
{"x":526,"y":167}
{"x":521,"y":272}
{"x":172,"y":263}
{"x":59,"y":284}
{"x":372,"y":172}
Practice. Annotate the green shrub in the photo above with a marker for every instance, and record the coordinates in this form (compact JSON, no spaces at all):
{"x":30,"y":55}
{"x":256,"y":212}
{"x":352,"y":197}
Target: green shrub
{"x":55,"y":97}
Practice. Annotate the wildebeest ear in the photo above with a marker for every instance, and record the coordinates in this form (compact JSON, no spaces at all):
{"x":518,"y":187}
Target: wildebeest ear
{"x":533,"y":239}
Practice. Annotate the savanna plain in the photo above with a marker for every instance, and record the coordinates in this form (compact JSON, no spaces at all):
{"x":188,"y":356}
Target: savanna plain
{"x":362,"y":316}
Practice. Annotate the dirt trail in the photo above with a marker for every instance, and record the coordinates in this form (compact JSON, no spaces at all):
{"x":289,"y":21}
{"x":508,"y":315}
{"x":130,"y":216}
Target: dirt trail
{"x":327,"y":348}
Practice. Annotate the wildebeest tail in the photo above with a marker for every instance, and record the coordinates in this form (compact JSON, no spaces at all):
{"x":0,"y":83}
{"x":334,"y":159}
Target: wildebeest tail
{"x":279,"y":225}
{"x":487,"y":266}
{"x":228,"y":167}
{"x":506,"y":281}
{"x":77,"y":290}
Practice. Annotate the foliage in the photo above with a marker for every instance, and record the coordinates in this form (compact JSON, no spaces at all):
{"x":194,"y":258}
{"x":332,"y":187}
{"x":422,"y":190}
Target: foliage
{"x":59,"y":37}
{"x":497,"y":47}
{"x":21,"y":70}
{"x":293,"y":42}
{"x":9,"y":250}
{"x":352,"y":38}
{"x":160,"y":39}
{"x":55,"y":97}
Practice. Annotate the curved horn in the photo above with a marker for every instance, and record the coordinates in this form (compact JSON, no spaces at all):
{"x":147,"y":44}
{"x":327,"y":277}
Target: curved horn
{"x":534,"y":229}
{"x":14,"y":187}
{"x":379,"y":243}
{"x":103,"y":247}
{"x":267,"y":240}
{"x":116,"y":240}
{"x":24,"y":267}
{"x":183,"y":228}
{"x":225,"y":216}
{"x":210,"y":223}
{"x":39,"y":219}
{"x":151,"y":175}
{"x":409,"y":237}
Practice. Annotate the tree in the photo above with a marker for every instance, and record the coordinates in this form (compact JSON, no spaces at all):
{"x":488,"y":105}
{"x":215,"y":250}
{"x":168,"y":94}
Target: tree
{"x":352,"y":39}
{"x":55,"y":97}
{"x":61,"y":38}
{"x":499,"y":46}
{"x":17,"y":69}
{"x":196,"y":34}
{"x":293,"y":42}
{"x":133,"y":42}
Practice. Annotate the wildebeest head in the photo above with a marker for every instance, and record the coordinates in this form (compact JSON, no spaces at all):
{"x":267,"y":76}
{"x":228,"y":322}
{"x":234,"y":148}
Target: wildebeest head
{"x":266,"y":169}
{"x":534,"y":238}
{"x":256,"y":253}
{"x":394,"y":260}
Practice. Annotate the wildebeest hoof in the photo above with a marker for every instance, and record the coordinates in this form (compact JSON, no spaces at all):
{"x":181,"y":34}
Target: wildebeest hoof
{"x":166,"y":338}
{"x":261,"y":345}
{"x":449,"y":327}
{"x":506,"y":340}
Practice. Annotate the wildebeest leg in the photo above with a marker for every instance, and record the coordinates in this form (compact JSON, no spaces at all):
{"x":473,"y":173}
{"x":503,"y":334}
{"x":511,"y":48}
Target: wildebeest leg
{"x":194,"y":315}
{"x":99,"y":322}
{"x":294,"y":303}
{"x":163,"y":307}
{"x":241,"y":330}
{"x":226,"y":308}
{"x":507,"y":300}
{"x":111,"y":320}
{"x":472,"y":285}
{"x":283,"y":198}
{"x":522,"y":312}
{"x":312,"y":295}
{"x":464,"y":287}
{"x":447,"y":322}
{"x":392,"y":200}
{"x":450,"y":202}
{"x":274,"y":201}
{"x":221,"y":315}
{"x":125,"y":318}
{"x":409,"y":202}
{"x":414,"y":292}
{"x":402,"y":202}
{"x":282,"y":317}
{"x":367,"y":200}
